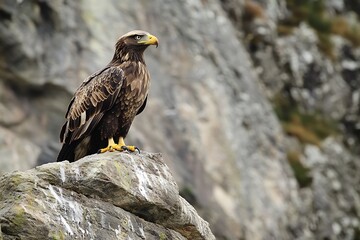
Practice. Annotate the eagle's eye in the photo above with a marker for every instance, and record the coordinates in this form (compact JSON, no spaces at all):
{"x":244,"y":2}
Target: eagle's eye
{"x":137,"y":37}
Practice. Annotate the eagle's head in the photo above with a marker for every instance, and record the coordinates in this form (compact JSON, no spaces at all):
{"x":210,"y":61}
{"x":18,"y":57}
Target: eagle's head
{"x":133,"y":44}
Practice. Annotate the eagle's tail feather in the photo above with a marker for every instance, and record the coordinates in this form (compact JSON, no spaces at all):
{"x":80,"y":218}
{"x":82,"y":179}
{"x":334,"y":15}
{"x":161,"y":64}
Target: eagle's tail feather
{"x":67,"y":152}
{"x":77,"y":149}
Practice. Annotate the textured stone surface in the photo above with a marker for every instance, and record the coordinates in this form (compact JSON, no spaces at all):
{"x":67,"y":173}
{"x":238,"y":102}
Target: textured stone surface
{"x":293,"y":65}
{"x":334,"y":201}
{"x":107,"y":196}
{"x":13,"y":150}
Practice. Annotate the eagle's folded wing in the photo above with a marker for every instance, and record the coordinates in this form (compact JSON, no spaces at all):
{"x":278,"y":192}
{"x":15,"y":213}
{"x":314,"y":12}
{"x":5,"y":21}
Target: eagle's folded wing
{"x":95,"y":96}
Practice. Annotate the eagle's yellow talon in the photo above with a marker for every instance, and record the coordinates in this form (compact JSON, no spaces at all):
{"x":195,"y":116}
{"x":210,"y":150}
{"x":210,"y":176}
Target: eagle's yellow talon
{"x":112,"y":146}
{"x":130,"y":148}
{"x":124,"y":147}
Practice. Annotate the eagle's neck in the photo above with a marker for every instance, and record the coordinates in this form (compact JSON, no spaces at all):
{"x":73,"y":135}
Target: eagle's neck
{"x":124,"y":53}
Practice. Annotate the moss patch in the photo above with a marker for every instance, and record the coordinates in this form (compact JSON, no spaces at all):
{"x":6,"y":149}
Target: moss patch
{"x":301,"y":133}
{"x":123,"y":172}
{"x":59,"y":235}
{"x":162,"y":236}
{"x":309,"y":128}
{"x":312,"y":12}
{"x":19,"y":217}
{"x":316,"y":16}
{"x":326,"y":45}
{"x":302,"y":173}
{"x":15,"y":221}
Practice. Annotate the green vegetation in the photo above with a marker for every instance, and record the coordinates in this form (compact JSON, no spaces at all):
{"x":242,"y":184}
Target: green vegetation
{"x":344,"y":28}
{"x":19,"y":218}
{"x":310,"y":11}
{"x":313,"y":12}
{"x":309,"y":128}
{"x":162,"y":236}
{"x":57,"y":236}
{"x":300,"y":171}
{"x":326,"y":45}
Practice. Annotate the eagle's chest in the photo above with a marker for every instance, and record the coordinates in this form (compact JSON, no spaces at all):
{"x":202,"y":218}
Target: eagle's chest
{"x":133,"y":92}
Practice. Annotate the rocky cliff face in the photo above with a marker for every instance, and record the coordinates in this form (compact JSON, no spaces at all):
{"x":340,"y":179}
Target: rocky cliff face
{"x":306,"y":54}
{"x":107,"y":196}
{"x":217,"y":66}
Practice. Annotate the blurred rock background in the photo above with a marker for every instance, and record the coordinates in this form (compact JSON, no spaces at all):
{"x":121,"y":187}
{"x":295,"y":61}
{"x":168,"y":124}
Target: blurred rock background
{"x":254,"y":103}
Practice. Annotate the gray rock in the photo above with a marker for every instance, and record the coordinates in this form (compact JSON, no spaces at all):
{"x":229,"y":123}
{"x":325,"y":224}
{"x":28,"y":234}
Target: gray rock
{"x":294,"y":65}
{"x":335,"y":5}
{"x":333,"y":204}
{"x":107,"y":196}
{"x":14,"y":150}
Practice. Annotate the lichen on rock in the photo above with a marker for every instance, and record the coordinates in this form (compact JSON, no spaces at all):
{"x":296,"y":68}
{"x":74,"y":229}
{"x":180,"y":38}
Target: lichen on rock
{"x":107,"y":196}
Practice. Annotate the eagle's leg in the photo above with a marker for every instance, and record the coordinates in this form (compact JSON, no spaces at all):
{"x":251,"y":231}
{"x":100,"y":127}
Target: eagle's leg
{"x":124,"y":147}
{"x":111,"y":147}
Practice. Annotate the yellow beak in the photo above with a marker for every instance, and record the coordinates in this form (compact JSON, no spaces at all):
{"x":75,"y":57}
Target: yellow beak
{"x":150,"y":40}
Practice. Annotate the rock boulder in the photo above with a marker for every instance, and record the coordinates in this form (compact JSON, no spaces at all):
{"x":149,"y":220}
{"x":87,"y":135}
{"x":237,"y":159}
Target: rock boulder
{"x":107,"y":196}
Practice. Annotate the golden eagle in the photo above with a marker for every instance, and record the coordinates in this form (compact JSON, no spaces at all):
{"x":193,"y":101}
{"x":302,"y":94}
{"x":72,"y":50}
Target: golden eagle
{"x":106,"y":103}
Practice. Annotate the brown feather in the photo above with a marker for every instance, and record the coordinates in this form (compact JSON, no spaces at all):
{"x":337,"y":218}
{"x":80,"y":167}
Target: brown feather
{"x":89,"y":98}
